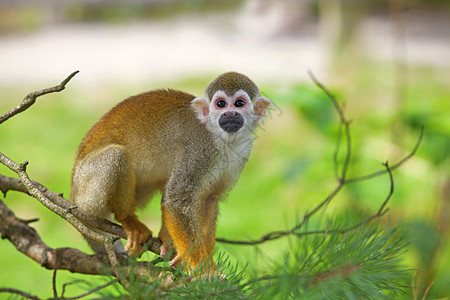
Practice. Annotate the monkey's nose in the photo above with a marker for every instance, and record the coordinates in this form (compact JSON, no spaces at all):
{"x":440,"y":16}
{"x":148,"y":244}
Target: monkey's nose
{"x":231,"y":121}
{"x":230,"y":114}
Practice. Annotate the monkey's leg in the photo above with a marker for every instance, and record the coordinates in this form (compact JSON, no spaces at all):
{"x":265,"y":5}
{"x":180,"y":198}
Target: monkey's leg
{"x":187,"y":241}
{"x":166,"y":239}
{"x":209,"y":214}
{"x":209,"y":218}
{"x":191,"y":232}
{"x":121,"y":197}
{"x":104,"y":183}
{"x":122,"y":202}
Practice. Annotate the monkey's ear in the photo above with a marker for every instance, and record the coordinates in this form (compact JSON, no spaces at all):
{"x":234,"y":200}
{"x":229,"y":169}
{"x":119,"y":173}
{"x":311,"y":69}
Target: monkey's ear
{"x":201,"y":108}
{"x":261,"y":104}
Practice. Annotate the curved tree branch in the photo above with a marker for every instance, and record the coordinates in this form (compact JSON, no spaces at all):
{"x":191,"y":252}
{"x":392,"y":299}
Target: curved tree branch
{"x":20,"y":170}
{"x":30,"y":99}
{"x":14,"y":184}
{"x":27,"y":241}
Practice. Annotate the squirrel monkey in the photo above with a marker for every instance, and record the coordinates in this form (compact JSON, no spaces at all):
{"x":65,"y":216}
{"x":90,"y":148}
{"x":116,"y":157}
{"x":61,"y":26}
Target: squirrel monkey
{"x":191,"y":149}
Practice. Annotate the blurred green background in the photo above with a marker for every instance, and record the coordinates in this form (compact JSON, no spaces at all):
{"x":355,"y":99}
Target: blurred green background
{"x":389,"y":61}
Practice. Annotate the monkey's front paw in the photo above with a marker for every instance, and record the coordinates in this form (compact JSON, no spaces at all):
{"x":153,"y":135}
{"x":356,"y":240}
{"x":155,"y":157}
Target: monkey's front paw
{"x":137,"y":236}
{"x":136,"y":241}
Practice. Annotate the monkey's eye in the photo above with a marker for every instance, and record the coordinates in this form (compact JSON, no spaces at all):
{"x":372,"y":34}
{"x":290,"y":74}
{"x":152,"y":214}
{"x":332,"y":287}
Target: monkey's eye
{"x":221,"y":104}
{"x":239,"y":103}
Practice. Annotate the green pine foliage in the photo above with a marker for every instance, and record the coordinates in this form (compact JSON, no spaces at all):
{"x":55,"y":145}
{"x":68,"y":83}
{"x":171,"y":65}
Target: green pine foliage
{"x":361,"y":264}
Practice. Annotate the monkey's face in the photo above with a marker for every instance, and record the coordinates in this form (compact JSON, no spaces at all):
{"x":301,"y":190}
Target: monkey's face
{"x":229,"y":111}
{"x":230,"y":114}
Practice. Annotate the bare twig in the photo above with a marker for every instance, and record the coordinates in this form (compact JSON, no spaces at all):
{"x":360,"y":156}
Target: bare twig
{"x":55,"y":291}
{"x":90,"y":292}
{"x":336,"y":152}
{"x":65,"y":285}
{"x":30,"y":99}
{"x":281,"y":233}
{"x":18,"y":292}
{"x":394,"y":166}
{"x":345,"y":123}
{"x":381,"y":212}
{"x":114,"y":263}
{"x":391,"y":190}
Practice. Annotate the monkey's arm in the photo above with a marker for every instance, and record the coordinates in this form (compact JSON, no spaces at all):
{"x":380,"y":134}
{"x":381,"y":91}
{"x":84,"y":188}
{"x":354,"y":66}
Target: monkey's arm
{"x":189,"y":215}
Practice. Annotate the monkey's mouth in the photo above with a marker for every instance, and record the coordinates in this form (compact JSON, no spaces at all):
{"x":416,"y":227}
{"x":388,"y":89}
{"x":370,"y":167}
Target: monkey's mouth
{"x":231,"y":124}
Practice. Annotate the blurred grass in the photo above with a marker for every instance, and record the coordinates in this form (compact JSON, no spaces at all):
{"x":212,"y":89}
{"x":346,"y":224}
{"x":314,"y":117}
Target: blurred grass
{"x":289,"y":172}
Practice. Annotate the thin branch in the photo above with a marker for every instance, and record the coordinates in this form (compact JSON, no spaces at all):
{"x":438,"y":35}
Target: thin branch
{"x":391,"y":190}
{"x":55,"y":291}
{"x":19,"y":292}
{"x":395,"y":166}
{"x":336,"y":153}
{"x":342,"y":271}
{"x":330,"y":96}
{"x":281,"y":233}
{"x":65,"y":285}
{"x":427,"y":290}
{"x":114,"y":263}
{"x":345,"y":123}
{"x":415,"y":288}
{"x":381,"y":211}
{"x":112,"y":257}
{"x":89,"y":292}
{"x":30,"y":99}
{"x":317,"y":278}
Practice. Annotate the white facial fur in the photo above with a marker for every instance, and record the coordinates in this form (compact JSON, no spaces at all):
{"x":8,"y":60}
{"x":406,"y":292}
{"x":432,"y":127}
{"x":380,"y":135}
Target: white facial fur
{"x":209,"y":111}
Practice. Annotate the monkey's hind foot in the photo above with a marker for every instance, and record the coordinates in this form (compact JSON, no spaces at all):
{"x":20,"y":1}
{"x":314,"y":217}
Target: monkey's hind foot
{"x":137,"y":235}
{"x":167,"y":250}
